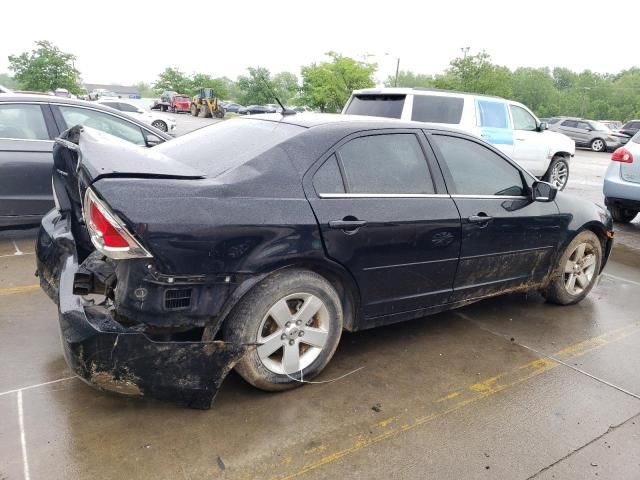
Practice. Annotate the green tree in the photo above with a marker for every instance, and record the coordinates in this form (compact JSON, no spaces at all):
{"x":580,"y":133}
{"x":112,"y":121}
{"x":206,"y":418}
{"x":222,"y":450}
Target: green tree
{"x":476,"y":74}
{"x":257,"y":88}
{"x":145,"y":89}
{"x":173,"y":79}
{"x":8,"y":81}
{"x":410,"y":79}
{"x":328,"y":85}
{"x":286,"y":86}
{"x":45,"y":68}
{"x":535,"y":88}
{"x":202,"y":80}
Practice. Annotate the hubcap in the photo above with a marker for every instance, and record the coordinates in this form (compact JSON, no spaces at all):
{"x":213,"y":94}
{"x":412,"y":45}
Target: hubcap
{"x":559,"y":175}
{"x":293,"y":333}
{"x":580,"y":269}
{"x":597,"y":145}
{"x":160,"y":126}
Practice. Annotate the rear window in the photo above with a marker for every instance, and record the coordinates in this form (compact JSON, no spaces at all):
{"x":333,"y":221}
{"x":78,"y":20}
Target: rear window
{"x":181,"y":99}
{"x":636,"y":138}
{"x":389,"y":106}
{"x":215,"y":149}
{"x":437,"y":109}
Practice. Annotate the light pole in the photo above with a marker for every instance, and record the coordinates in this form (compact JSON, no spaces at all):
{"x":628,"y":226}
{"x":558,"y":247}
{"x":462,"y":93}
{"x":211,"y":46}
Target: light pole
{"x":464,"y":51}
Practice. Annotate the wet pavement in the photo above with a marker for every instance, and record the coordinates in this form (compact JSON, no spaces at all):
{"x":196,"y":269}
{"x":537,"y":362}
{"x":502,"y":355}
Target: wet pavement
{"x":505,"y":388}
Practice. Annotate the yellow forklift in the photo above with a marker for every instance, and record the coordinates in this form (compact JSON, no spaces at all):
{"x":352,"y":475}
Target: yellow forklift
{"x":205,"y":101}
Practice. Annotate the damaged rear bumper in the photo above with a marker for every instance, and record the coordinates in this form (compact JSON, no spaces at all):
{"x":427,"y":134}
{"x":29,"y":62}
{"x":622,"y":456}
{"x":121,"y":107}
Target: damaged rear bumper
{"x":110,"y":356}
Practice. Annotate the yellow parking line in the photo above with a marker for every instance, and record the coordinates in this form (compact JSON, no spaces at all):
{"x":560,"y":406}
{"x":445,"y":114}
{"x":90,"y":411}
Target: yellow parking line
{"x":457,"y":399}
{"x":22,"y":289}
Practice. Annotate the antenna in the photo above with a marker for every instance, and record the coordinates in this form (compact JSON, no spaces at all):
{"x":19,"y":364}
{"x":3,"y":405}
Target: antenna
{"x":284,"y":110}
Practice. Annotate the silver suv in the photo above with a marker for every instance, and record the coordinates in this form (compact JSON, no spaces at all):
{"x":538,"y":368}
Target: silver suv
{"x":589,"y":133}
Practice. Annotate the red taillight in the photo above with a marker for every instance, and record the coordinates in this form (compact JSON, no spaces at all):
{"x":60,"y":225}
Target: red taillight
{"x":622,"y":155}
{"x":110,"y":236}
{"x":107,"y":232}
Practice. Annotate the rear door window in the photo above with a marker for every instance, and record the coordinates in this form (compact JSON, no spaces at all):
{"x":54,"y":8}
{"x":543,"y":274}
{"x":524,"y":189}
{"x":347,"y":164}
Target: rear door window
{"x":385,"y":164}
{"x":389,"y":106}
{"x":328,"y":178}
{"x":437,"y":109}
{"x":492,"y":114}
{"x":569,"y":124}
{"x":22,"y":122}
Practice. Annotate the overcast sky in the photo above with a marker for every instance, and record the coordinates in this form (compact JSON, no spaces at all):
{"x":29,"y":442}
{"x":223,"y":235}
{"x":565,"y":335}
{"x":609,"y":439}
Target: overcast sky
{"x":127,"y":42}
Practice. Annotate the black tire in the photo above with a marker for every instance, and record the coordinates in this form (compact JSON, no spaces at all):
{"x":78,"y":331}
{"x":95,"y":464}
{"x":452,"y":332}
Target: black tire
{"x":557,"y":291}
{"x":219,"y":113}
{"x":622,"y":215}
{"x":194,"y":110}
{"x":558,"y":162}
{"x":598,"y":145}
{"x":206,"y":111}
{"x":160,"y":125}
{"x":242,"y":326}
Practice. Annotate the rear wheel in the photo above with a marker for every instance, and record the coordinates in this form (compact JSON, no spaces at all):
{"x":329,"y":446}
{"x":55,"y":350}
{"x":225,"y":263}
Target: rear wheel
{"x":219,"y":113}
{"x":622,"y":215}
{"x":577,"y":270}
{"x":296,"y":317}
{"x":598,"y":145}
{"x":558,"y":172}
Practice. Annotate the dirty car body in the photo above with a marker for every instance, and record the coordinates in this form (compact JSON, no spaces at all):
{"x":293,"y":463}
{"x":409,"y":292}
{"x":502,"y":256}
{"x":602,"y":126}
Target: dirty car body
{"x":207,"y":217}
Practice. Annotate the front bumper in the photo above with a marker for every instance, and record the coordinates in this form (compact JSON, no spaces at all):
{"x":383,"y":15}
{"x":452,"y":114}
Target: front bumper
{"x":110,"y":356}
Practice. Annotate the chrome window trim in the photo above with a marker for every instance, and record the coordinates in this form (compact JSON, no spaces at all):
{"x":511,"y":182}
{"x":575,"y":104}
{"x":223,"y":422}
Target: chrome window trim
{"x":489,"y":197}
{"x":384,"y":195}
{"x":25,"y":139}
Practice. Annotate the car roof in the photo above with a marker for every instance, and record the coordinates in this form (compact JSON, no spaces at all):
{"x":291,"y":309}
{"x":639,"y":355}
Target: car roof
{"x":311,"y":120}
{"x":418,"y":91}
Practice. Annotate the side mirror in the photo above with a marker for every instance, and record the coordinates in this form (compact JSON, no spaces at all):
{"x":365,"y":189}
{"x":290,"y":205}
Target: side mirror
{"x":543,"y":192}
{"x":153,"y":140}
{"x":543,"y":126}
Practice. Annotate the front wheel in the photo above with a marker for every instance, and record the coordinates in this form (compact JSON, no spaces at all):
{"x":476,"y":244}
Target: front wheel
{"x":160,"y":125}
{"x":558,"y":172}
{"x":219,"y":113}
{"x":577,"y":271}
{"x":598,"y":145}
{"x":296,"y":318}
{"x":622,"y":215}
{"x":194,"y":110}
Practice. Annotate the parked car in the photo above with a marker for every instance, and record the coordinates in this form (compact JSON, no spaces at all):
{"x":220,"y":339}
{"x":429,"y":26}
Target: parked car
{"x":28,"y":126}
{"x":589,"y":133}
{"x":622,"y":182}
{"x":255,"y":109}
{"x":302,"y":227}
{"x":508,"y":125}
{"x":180,"y":103}
{"x":157,"y":120}
{"x":613,"y":125}
{"x":630,"y":128}
{"x":232,"y":107}
{"x":103,"y":94}
{"x":62,"y":92}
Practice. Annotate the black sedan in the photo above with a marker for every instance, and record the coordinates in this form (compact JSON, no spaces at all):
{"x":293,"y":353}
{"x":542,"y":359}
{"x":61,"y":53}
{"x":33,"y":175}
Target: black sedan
{"x":28,"y":126}
{"x":255,"y":110}
{"x":255,"y":242}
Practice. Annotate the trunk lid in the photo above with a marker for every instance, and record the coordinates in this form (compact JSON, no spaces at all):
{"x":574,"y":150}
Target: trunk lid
{"x":630,"y":172}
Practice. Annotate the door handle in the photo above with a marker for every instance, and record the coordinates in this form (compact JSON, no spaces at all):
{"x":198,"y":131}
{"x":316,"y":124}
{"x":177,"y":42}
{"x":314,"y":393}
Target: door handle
{"x":520,"y":139}
{"x":349,"y":225}
{"x":480,"y":218}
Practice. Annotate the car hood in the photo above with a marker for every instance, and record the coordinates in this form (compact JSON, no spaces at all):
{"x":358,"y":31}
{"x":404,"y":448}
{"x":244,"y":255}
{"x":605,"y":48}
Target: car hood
{"x":559,"y":142}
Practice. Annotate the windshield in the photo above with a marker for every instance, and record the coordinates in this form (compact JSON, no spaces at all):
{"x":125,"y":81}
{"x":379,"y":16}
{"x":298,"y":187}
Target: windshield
{"x":389,"y":106}
{"x":225,"y":145}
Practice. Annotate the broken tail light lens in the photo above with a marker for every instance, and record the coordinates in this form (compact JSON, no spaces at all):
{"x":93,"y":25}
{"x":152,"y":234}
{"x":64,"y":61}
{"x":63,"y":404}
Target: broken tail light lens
{"x":108,"y":234}
{"x":622,"y":155}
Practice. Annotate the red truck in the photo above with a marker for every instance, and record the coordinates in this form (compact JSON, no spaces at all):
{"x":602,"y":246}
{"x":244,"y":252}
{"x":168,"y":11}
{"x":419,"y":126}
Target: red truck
{"x":180,"y":103}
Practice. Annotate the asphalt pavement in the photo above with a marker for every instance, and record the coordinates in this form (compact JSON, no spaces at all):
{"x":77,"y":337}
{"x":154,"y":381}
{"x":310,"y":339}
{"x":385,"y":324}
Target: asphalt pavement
{"x":507,"y":388}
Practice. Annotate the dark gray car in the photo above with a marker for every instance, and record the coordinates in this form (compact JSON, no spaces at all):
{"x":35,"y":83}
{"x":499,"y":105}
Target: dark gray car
{"x":28,"y":126}
{"x":589,"y":133}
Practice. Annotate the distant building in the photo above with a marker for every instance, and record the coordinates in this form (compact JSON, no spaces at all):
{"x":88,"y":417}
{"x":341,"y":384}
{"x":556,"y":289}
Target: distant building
{"x":123,"y":91}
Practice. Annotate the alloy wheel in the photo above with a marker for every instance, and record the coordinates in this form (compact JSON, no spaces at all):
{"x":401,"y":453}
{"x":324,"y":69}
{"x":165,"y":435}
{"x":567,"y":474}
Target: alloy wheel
{"x":597,"y":145}
{"x":559,"y":175}
{"x":293,"y":333}
{"x":580,"y":269}
{"x":160,"y":125}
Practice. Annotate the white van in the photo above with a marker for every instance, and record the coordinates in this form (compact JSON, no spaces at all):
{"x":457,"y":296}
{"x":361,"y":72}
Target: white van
{"x":508,"y":125}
